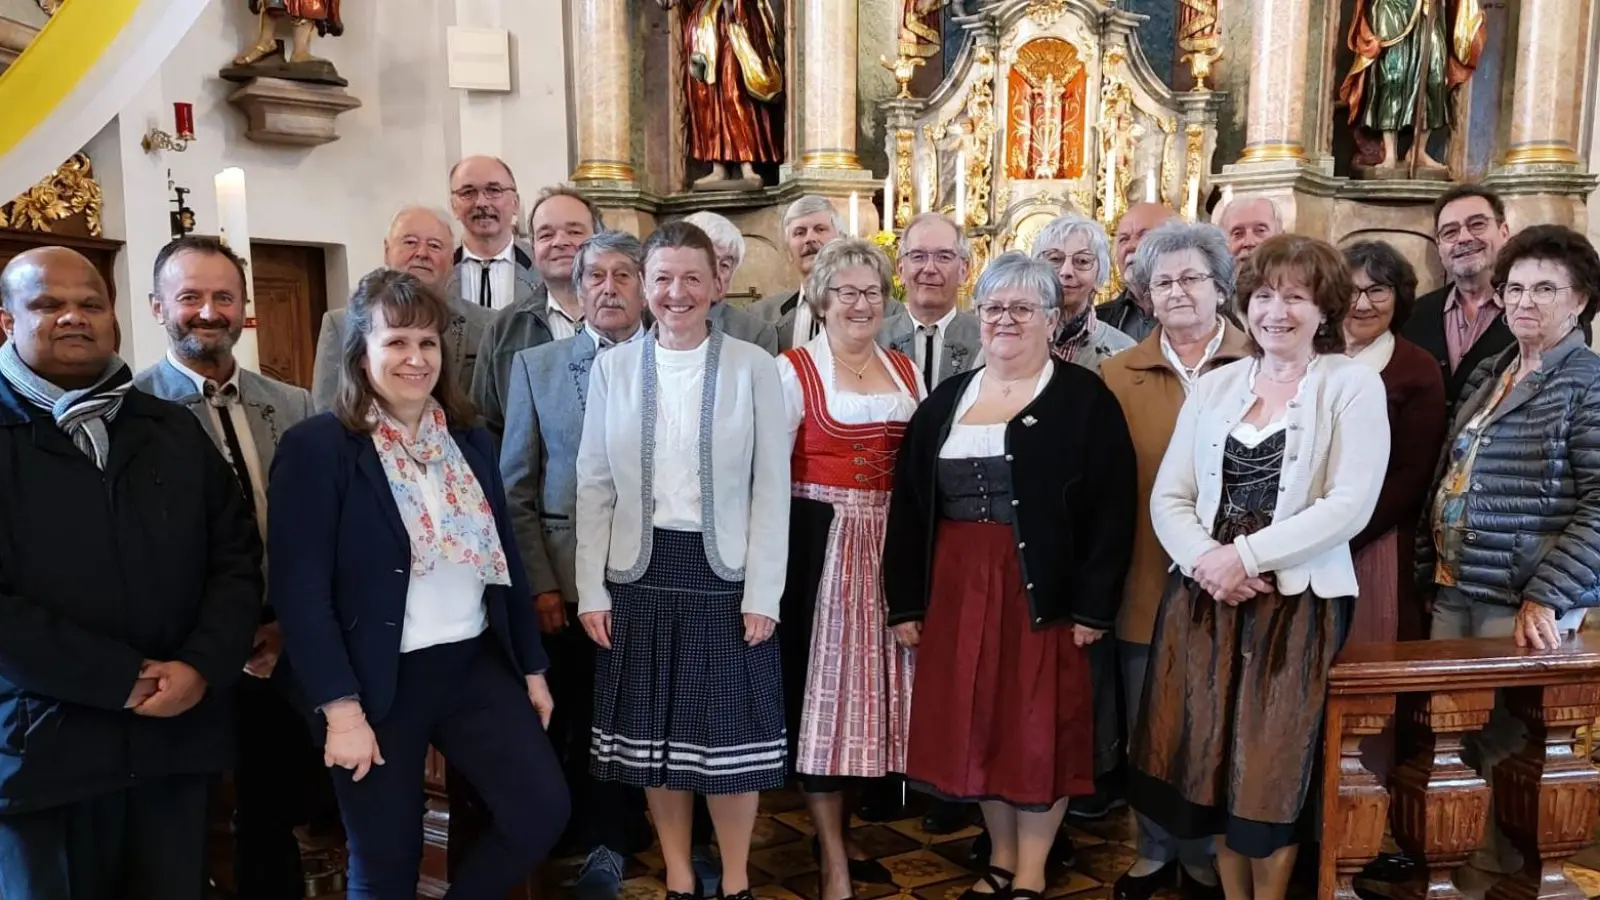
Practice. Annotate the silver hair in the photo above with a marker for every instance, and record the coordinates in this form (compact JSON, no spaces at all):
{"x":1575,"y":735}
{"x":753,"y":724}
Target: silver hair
{"x":1177,"y":236}
{"x":835,"y":257}
{"x":605,"y":242}
{"x":1054,"y":236}
{"x":1221,"y":218}
{"x":443,"y":217}
{"x":808,"y":205}
{"x":1015,"y":269}
{"x":722,"y":232}
{"x":963,"y":246}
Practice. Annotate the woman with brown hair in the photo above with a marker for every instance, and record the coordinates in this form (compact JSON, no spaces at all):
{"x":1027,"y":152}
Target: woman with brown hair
{"x":1276,"y":463}
{"x":406,"y":614}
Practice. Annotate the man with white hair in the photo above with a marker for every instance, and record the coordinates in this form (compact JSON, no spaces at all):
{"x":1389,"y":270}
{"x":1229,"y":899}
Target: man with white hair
{"x":1248,"y":222}
{"x":808,"y":224}
{"x":419,"y":242}
{"x":735,"y":322}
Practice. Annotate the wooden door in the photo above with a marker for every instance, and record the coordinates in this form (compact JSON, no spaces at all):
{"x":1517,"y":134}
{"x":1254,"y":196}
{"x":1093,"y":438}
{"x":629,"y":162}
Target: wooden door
{"x":290,"y":289}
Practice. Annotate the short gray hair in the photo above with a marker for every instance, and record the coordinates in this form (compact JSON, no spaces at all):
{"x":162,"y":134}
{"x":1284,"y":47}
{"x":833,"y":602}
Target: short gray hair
{"x":1221,"y":217}
{"x":443,"y":217}
{"x":841,"y":254}
{"x":1015,"y":269}
{"x":963,"y":246}
{"x":722,"y":232}
{"x":808,"y":205}
{"x":605,"y":242}
{"x":1177,"y":236}
{"x":1054,"y":236}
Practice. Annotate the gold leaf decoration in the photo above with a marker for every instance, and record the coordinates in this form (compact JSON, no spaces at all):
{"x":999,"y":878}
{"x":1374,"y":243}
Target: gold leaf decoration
{"x":68,"y":191}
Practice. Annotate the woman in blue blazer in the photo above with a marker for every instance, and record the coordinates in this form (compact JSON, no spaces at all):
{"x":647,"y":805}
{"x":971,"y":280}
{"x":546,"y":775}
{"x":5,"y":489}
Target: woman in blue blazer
{"x":406,"y":615}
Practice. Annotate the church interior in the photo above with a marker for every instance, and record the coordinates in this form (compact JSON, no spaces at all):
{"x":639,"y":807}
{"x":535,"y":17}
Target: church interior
{"x":295,"y":137}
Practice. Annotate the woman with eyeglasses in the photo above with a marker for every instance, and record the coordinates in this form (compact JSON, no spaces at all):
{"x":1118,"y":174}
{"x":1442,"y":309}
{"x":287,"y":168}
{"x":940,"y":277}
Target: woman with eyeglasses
{"x":1385,"y":292}
{"x":847,"y":682}
{"x":1010,"y":527}
{"x":1076,"y":248}
{"x":1276,"y":463}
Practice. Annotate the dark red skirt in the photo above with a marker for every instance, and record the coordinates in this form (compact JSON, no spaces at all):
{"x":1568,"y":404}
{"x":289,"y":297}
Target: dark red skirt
{"x":999,"y":711}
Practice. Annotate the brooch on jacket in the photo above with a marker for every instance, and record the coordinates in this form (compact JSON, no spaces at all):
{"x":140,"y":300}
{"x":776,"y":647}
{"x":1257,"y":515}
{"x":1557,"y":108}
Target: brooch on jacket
{"x":1029,"y":421}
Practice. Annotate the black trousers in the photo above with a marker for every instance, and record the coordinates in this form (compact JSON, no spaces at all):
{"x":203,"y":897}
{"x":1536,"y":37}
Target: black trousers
{"x":465,"y":699}
{"x":147,"y":842}
{"x":278,"y":780}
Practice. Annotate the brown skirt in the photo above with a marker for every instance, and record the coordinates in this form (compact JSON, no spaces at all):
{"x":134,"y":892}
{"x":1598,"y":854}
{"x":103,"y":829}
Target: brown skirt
{"x":1232,"y":714}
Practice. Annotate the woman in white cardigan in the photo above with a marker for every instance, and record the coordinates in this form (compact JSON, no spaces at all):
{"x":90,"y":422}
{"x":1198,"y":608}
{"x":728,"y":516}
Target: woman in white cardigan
{"x":683,"y":524}
{"x":1275,"y":465}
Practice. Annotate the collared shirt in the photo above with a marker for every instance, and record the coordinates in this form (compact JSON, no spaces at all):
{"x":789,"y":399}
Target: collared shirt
{"x":919,"y":343}
{"x":502,"y":277}
{"x":806,"y":325}
{"x":1460,"y":334}
{"x":227,"y":398}
{"x":1189,"y":375}
{"x":602,"y":343}
{"x":562,"y":326}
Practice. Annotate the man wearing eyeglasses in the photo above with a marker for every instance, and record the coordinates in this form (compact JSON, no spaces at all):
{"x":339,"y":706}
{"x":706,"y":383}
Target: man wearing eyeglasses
{"x":491,"y":270}
{"x":1463,"y":323}
{"x":940,"y":339}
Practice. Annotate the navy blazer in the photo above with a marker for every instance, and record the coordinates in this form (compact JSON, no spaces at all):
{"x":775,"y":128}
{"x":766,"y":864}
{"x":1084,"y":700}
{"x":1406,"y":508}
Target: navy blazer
{"x":339,"y":564}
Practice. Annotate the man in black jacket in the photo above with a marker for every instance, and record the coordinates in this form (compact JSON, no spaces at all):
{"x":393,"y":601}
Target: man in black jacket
{"x":130,"y":586}
{"x":1462,"y":323}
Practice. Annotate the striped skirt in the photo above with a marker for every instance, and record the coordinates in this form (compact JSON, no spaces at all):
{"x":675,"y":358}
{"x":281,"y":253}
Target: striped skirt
{"x":680,"y":701}
{"x":856,"y":716}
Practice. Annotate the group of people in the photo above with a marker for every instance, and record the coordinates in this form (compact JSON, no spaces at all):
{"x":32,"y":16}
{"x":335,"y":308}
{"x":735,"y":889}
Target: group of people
{"x":613,"y":544}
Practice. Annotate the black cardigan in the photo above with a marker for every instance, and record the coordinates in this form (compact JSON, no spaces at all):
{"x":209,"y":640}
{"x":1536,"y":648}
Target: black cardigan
{"x":1075,"y":482}
{"x":1425,"y":328}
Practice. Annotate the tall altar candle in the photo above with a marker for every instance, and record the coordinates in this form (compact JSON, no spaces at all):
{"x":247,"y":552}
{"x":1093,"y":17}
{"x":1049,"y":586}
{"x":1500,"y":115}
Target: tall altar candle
{"x":925,"y":192}
{"x":855,"y":214}
{"x":888,"y":200}
{"x":1110,"y":200}
{"x":233,"y":226}
{"x":1150,"y":192}
{"x":961,"y":188}
{"x":1191,"y":199}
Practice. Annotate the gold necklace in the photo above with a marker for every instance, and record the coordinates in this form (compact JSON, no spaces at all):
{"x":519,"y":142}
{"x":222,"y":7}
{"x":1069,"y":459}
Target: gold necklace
{"x":860,"y":373}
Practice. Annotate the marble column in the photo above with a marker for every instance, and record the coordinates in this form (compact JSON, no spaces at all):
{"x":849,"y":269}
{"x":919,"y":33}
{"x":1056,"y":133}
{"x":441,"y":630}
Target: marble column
{"x":828,"y":130}
{"x":601,"y":93}
{"x":1275,"y":117}
{"x":1545,"y":106}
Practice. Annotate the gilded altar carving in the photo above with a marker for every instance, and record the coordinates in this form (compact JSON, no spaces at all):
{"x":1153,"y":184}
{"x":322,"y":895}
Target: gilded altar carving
{"x":974,"y":140}
{"x":1199,"y":38}
{"x":1046,"y":12}
{"x":1044,"y":131}
{"x":68,"y":191}
{"x":1120,"y":132}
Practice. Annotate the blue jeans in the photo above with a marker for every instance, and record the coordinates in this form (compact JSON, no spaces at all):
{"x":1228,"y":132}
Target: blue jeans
{"x":1155,"y":844}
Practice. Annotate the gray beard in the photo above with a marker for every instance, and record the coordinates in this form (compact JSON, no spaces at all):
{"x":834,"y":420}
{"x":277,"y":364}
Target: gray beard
{"x":190,"y":346}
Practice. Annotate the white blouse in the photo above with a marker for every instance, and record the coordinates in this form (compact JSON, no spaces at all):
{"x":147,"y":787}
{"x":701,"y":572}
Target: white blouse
{"x":981,"y":441}
{"x":680,"y":384}
{"x":446,"y":605}
{"x":847,"y":407}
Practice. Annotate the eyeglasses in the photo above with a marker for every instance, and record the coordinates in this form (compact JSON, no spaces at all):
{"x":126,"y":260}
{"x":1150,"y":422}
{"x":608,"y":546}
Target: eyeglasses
{"x":1020,"y":313}
{"x":920,"y":258}
{"x":1542,"y":294}
{"x":1477,"y":226}
{"x":1081,"y":262}
{"x":470,"y":193}
{"x":1187,"y":283}
{"x":1374,"y":293}
{"x":851,"y":296}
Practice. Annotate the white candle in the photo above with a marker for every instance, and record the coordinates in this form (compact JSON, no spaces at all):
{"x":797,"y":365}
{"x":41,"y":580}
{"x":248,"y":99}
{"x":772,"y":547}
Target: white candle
{"x":925,"y":189}
{"x":888,"y":200}
{"x":1191,"y":198}
{"x":1110,"y":200}
{"x":233,"y":227}
{"x":855,"y":214}
{"x":1150,"y":194}
{"x":961,"y":188}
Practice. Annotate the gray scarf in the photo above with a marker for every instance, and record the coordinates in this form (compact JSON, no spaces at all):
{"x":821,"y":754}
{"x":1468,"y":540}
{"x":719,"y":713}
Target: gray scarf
{"x":82,"y":414}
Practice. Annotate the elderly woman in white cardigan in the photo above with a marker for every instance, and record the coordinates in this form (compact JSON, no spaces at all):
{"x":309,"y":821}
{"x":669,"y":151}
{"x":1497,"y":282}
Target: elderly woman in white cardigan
{"x":683,"y":523}
{"x":1276,"y":463}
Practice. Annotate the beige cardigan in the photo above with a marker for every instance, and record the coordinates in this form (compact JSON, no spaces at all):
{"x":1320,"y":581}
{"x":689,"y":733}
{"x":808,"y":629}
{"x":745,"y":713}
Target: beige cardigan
{"x":1335,"y":455}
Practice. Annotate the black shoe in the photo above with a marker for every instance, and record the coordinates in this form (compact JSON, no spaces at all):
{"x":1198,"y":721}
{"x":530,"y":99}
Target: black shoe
{"x":944,"y":817}
{"x":1391,"y":868}
{"x":992,"y":877}
{"x":1097,"y":805}
{"x":1062,"y":852}
{"x":982,"y":846}
{"x":742,"y":895}
{"x":1023,"y":894}
{"x":1143,"y":887}
{"x":866,"y":871}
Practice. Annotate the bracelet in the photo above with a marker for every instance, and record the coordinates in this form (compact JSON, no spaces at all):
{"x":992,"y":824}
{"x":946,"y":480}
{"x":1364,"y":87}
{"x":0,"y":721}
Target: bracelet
{"x":361,"y":720}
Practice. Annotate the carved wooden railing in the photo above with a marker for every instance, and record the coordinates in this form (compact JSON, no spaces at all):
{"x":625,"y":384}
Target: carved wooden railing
{"x":1547,"y":796}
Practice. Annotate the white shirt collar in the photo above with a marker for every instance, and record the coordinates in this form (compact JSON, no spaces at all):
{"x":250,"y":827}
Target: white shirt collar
{"x":199,"y":380}
{"x":508,"y":253}
{"x":602,"y":343}
{"x":941,"y":325}
{"x":1186,"y":374}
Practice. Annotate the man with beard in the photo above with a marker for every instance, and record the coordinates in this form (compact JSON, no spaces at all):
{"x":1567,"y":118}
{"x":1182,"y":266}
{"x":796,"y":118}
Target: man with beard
{"x":418,"y":243}
{"x":808,"y":224}
{"x":561,"y":219}
{"x":735,"y":322}
{"x":130,"y":585}
{"x":491,"y":270}
{"x":1462,"y":323}
{"x":1248,"y":222}
{"x":932,"y":264}
{"x":1130,"y":313}
{"x":199,"y":298}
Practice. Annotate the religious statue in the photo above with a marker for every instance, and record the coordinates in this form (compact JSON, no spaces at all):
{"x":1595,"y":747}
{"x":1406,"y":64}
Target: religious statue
{"x":1410,"y":56}
{"x":732,"y":87}
{"x":307,"y":18}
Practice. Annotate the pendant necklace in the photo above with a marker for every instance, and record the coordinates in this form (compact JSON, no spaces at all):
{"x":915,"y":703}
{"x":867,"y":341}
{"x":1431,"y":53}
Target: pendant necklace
{"x":861,"y":373}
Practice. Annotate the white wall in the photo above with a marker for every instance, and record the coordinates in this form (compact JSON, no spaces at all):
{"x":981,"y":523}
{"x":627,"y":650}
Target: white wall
{"x":396,"y":149}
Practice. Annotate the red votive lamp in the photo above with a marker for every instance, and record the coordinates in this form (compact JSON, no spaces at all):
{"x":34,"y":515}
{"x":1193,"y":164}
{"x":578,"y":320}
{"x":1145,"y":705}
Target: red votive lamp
{"x":184,"y":112}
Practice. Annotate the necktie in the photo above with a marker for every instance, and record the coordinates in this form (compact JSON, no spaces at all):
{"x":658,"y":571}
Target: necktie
{"x":223,"y":398}
{"x":929,"y":332}
{"x":485,"y":293}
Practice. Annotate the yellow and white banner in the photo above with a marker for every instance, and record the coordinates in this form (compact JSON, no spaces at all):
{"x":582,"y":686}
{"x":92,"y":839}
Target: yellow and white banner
{"x":87,"y":63}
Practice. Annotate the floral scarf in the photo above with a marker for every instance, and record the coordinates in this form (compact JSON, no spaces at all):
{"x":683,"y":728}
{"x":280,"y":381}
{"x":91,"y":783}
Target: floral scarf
{"x":466,"y":532}
{"x":1072,"y":337}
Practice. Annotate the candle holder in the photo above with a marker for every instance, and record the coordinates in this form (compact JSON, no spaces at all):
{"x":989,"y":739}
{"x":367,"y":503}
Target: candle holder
{"x":183,"y":118}
{"x":904,"y":69}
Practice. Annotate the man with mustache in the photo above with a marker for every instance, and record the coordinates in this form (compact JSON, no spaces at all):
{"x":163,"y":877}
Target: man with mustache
{"x":544,"y":421}
{"x":561,"y":220}
{"x":1130,"y":313}
{"x":932,"y":264}
{"x":419,"y":243}
{"x":199,"y":298}
{"x":492,"y":271}
{"x":808,"y":224}
{"x":1462,"y":323}
{"x":1248,"y":222}
{"x":738,"y":323}
{"x":130,"y":586}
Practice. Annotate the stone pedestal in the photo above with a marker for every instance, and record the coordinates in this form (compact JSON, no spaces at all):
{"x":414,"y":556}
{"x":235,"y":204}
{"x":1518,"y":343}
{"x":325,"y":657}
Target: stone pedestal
{"x":291,"y":112}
